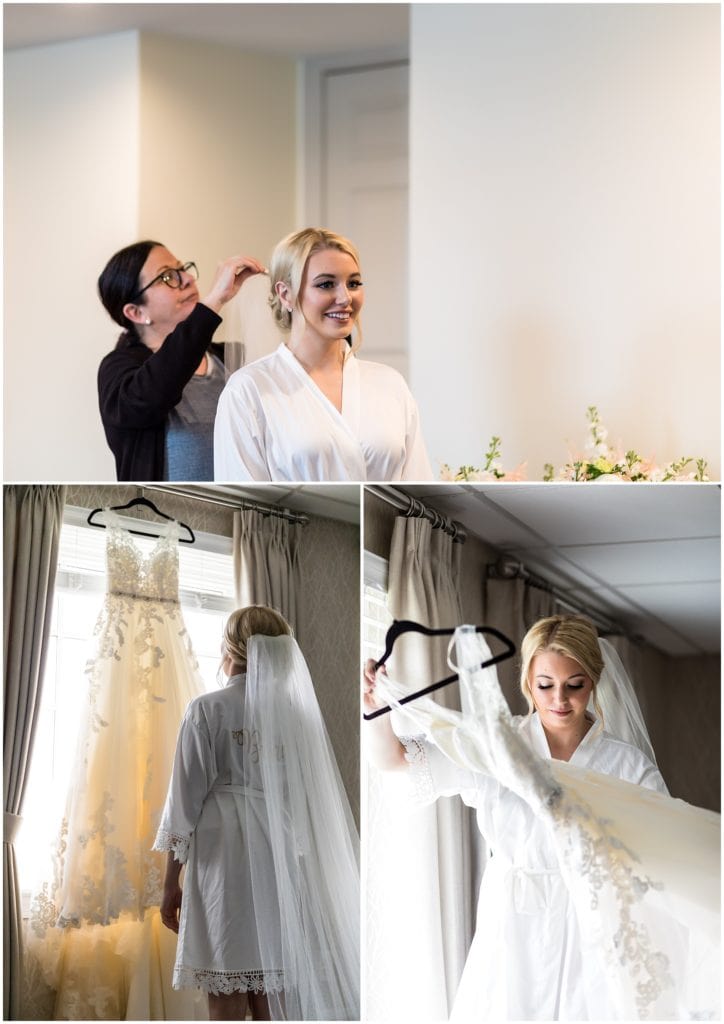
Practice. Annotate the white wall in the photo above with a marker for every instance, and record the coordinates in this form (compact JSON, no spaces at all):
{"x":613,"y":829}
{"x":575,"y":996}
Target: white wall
{"x":565,"y":228}
{"x":218,"y":149}
{"x":71,"y":190}
{"x":109,"y":140}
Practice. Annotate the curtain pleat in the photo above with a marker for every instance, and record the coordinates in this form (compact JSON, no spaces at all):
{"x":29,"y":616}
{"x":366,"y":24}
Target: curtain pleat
{"x":266,"y":563}
{"x":512,"y":606}
{"x":428,"y":868}
{"x":32,"y":521}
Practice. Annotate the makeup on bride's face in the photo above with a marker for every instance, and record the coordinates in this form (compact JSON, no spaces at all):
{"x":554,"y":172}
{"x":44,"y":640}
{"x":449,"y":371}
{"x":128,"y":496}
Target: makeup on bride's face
{"x":332,"y":293}
{"x":560,"y":689}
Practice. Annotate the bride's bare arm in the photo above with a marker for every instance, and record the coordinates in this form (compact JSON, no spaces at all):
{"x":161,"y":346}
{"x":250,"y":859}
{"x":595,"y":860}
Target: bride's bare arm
{"x":383,"y":749}
{"x":171,"y":900}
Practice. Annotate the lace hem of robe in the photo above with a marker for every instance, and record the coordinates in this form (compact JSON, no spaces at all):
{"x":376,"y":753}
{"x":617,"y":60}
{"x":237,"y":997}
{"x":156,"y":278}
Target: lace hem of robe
{"x":226,"y":982}
{"x":172,"y":841}
{"x":420,"y":774}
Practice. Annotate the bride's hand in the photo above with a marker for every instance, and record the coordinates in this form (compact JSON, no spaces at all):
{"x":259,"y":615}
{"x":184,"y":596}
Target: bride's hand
{"x":369,"y":684}
{"x":171,"y":906}
{"x":382,"y":747}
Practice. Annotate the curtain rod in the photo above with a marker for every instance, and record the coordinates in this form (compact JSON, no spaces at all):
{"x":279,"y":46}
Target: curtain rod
{"x":509,"y":569}
{"x":200,"y":494}
{"x":410,"y":506}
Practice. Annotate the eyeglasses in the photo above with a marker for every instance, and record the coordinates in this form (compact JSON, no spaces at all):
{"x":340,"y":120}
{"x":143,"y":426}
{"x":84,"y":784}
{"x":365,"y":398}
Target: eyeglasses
{"x":172,"y":277}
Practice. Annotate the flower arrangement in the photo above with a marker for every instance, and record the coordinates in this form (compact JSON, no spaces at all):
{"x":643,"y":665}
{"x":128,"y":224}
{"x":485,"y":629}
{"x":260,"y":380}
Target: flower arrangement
{"x":492,"y":468}
{"x":600,"y":461}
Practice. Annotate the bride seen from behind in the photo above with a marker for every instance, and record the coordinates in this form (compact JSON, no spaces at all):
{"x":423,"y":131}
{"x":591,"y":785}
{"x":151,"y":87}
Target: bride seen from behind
{"x":257,"y":813}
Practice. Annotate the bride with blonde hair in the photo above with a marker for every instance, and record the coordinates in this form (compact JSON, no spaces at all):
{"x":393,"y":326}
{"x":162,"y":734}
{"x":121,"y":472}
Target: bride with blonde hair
{"x":256,"y":811}
{"x":600,"y":899}
{"x":311,"y":410}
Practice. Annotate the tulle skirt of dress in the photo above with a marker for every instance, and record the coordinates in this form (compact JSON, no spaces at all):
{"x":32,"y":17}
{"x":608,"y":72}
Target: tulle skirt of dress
{"x":638,"y":887}
{"x":120,"y":971}
{"x":95,"y":935}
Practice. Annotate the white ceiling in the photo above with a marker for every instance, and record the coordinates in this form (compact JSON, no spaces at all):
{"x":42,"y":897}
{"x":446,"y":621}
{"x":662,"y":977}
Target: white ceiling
{"x":647,"y":556}
{"x":298,"y":30}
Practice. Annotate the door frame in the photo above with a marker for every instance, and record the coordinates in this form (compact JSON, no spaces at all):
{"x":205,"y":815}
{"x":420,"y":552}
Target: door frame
{"x":311,"y":74}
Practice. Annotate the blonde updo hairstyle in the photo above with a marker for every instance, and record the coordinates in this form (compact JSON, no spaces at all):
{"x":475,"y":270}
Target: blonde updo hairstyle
{"x":573,"y":636}
{"x":248,"y":622}
{"x":289,"y":262}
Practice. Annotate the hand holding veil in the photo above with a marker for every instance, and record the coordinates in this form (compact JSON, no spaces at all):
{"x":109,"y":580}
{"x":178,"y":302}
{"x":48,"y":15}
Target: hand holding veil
{"x":312,"y":859}
{"x":641,"y":868}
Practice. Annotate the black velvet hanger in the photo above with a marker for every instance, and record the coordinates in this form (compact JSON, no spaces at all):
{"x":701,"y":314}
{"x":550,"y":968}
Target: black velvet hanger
{"x":147,"y":503}
{"x":400,"y":626}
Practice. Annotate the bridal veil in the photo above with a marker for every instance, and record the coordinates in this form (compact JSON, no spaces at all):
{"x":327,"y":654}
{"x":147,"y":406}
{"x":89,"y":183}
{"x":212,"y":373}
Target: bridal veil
{"x":314,"y":862}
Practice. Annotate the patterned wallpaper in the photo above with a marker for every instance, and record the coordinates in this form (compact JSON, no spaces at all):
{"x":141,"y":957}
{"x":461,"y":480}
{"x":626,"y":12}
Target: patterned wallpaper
{"x":379,"y":520}
{"x":329,"y":622}
{"x":200,"y":515}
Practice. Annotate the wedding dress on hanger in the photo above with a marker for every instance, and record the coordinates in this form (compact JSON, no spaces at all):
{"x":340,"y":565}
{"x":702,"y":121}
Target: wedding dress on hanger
{"x":95,"y":932}
{"x":601,"y":899}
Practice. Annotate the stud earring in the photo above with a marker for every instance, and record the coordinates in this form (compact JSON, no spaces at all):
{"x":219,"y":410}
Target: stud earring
{"x":148,"y":319}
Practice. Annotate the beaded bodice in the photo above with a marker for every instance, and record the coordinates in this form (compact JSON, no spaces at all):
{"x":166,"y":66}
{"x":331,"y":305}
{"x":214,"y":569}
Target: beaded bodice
{"x":133,"y":574}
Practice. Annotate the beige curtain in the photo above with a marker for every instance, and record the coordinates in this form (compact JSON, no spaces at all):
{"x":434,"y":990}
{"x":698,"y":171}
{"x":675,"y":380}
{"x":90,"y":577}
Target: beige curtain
{"x":512,"y":606}
{"x":266,"y":562}
{"x":420,"y":874}
{"x":33,"y":517}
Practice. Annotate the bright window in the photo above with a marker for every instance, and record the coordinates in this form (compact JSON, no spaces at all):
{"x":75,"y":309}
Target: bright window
{"x":376,"y":617}
{"x":207,"y":595}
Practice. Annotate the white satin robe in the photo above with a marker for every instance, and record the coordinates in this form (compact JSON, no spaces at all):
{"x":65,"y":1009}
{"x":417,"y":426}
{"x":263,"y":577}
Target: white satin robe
{"x":206,"y":821}
{"x":525,"y":960}
{"x":274,"y":423}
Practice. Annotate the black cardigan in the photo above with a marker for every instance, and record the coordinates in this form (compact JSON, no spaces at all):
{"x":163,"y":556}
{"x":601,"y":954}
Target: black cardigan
{"x":137,"y":389}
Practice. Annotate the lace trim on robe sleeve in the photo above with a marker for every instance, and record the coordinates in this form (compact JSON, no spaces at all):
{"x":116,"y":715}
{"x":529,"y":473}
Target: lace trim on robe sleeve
{"x":420,"y":773}
{"x":173,"y":841}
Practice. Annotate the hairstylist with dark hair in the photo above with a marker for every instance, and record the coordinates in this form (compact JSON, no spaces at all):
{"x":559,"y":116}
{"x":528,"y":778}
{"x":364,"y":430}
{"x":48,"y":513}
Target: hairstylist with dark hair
{"x":159,"y":387}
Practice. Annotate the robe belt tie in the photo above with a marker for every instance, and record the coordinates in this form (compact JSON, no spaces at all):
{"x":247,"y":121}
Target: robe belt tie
{"x":233,"y":788}
{"x":300,"y":835}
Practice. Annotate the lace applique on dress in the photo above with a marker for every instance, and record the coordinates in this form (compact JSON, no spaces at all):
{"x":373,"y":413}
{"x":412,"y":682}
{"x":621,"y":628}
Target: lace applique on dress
{"x":599,"y":867}
{"x":140,"y":681}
